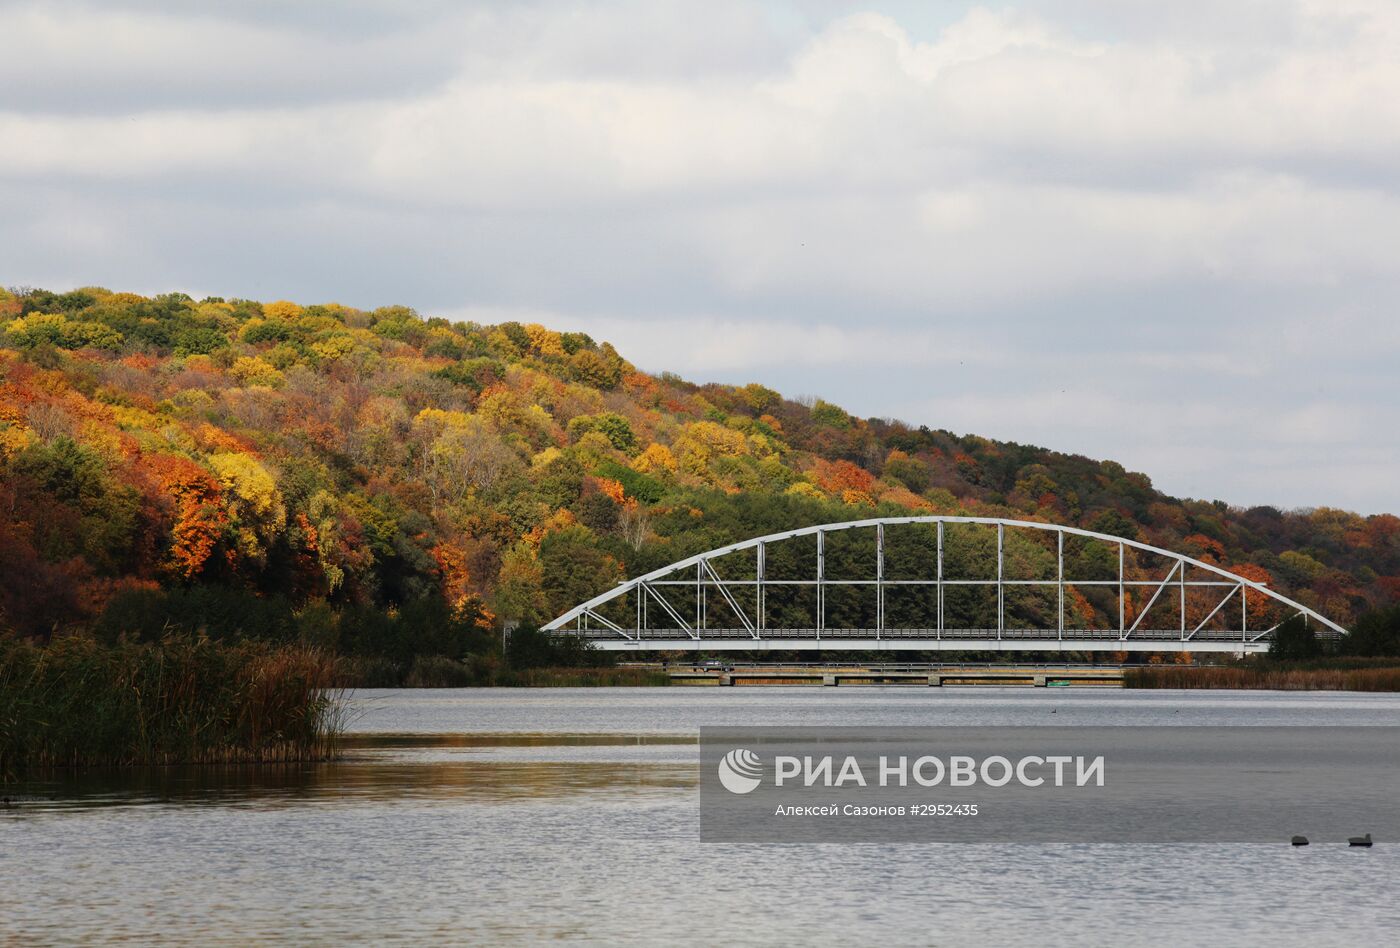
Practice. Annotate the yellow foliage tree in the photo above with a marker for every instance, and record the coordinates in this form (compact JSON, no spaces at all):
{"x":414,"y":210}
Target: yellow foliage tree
{"x":703,"y":441}
{"x":721,"y":441}
{"x":545,"y":341}
{"x":656,"y":459}
{"x":14,"y":438}
{"x":252,"y":370}
{"x":544,"y":459}
{"x":333,"y":348}
{"x":435,"y":421}
{"x":502,"y":408}
{"x":282,"y":309}
{"x":253,"y":501}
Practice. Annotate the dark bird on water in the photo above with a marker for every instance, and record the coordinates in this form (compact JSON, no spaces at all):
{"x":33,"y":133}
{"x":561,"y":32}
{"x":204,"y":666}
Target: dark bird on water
{"x":1360,"y":840}
{"x":1300,"y":841}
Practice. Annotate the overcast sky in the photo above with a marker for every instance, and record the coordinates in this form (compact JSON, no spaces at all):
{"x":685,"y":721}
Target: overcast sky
{"x":1163,"y":233}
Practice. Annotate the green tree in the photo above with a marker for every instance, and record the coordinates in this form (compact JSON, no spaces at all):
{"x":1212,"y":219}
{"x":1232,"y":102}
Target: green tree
{"x":911,"y":472}
{"x":825,"y":413}
{"x":612,"y":425}
{"x":528,"y":647}
{"x":594,"y":369}
{"x":77,"y":506}
{"x":574,"y":568}
{"x":1295,"y":641}
{"x":1375,"y":634}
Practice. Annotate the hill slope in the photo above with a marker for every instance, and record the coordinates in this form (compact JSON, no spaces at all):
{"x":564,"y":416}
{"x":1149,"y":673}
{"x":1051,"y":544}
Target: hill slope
{"x":232,"y":453}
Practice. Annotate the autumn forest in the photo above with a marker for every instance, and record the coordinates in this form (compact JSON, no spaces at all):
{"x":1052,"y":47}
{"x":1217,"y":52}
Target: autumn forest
{"x":392,"y":486}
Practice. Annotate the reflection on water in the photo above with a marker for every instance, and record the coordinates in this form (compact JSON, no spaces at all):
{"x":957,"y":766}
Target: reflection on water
{"x":479,"y":767}
{"x":521,"y":816}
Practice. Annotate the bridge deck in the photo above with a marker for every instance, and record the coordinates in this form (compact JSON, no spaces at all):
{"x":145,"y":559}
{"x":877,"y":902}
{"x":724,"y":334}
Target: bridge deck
{"x":924,"y":640}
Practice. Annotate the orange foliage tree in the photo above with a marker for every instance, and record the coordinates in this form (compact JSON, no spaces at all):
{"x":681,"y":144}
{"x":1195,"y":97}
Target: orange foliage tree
{"x":200,"y":520}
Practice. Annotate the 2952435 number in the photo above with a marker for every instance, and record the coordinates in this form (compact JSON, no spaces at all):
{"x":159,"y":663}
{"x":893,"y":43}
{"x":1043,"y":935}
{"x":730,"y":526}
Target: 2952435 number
{"x":943,"y":809}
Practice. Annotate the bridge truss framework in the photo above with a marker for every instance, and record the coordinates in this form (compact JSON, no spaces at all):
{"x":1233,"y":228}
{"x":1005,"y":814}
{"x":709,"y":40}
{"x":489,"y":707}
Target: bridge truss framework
{"x":656,"y":623}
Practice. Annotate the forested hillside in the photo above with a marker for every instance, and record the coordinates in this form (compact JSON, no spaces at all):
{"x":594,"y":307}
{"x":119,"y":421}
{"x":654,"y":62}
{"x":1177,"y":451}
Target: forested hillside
{"x":383,"y":482}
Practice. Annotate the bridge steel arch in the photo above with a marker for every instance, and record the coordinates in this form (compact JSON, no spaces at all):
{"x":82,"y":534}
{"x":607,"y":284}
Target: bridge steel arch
{"x":654,"y":622}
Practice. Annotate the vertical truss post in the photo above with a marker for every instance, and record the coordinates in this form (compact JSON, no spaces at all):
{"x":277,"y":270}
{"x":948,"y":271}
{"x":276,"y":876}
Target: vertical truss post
{"x":699,"y":597}
{"x":641,"y":605}
{"x":940,"y":579}
{"x":821,"y":582}
{"x":1183,"y":600}
{"x":1060,"y":578}
{"x":879,"y":579}
{"x":1244,"y":613}
{"x":760,"y":575}
{"x":1121,"y":604}
{"x":1001,"y":570}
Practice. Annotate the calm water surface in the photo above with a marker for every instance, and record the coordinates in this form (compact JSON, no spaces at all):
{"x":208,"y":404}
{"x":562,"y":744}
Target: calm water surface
{"x":515,"y":815}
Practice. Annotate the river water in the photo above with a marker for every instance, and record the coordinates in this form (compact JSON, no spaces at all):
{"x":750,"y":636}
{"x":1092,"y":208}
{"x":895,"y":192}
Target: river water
{"x":521,"y":816}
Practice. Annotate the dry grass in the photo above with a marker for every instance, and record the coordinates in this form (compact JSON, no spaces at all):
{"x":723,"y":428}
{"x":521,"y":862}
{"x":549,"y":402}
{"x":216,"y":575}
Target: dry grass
{"x":1263,"y":678}
{"x":581,"y":677}
{"x":485,"y":671}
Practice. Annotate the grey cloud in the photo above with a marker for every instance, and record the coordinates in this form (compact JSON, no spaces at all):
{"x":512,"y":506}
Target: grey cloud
{"x":97,"y":59}
{"x":100,"y":60}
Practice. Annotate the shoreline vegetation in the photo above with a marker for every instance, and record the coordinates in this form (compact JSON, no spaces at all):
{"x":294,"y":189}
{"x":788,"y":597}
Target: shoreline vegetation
{"x":441,"y":672}
{"x":79,"y":703}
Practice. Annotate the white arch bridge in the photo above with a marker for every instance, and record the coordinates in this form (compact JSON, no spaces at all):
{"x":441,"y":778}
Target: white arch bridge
{"x":938,"y":584}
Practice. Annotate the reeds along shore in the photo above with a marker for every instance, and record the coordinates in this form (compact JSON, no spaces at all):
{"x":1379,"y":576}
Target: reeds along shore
{"x":1264,"y":678}
{"x":77,"y":702}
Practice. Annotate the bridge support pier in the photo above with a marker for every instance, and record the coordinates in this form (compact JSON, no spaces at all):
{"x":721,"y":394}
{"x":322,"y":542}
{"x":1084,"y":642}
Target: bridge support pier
{"x":829,"y":681}
{"x":726,"y":679}
{"x":935,"y":681}
{"x":1039,"y":681}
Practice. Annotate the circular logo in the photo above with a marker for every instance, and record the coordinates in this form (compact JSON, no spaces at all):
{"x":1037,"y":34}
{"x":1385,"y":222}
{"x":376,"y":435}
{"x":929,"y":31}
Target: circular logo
{"x":740,"y":771}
